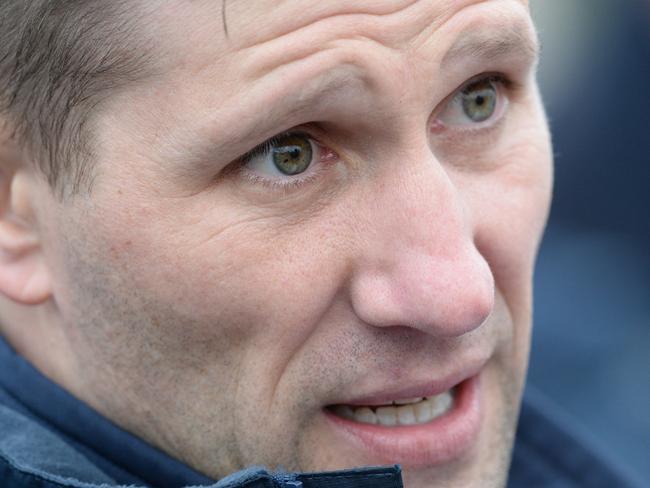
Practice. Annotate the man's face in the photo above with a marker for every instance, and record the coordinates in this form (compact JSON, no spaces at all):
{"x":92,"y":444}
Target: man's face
{"x":270,"y":308}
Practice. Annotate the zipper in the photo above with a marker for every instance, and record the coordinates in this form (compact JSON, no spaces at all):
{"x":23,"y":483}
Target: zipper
{"x":287,"y":480}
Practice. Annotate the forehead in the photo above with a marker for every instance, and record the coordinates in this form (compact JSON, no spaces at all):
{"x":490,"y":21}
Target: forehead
{"x":237,"y":25}
{"x":233,"y":41}
{"x":285,"y":55}
{"x":252,"y":22}
{"x":227,"y":43}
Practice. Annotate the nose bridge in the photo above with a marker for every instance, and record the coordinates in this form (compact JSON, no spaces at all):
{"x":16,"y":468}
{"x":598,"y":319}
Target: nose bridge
{"x":416,"y":203}
{"x":421,"y":269}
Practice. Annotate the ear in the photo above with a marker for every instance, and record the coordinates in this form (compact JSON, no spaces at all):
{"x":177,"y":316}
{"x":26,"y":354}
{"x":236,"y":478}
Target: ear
{"x":24,"y":276}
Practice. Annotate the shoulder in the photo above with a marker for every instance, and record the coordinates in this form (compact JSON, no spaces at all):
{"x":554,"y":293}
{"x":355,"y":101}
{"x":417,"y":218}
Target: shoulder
{"x":552,"y":451}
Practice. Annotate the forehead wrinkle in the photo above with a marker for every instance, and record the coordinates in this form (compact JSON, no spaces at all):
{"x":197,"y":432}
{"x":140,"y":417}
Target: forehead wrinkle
{"x":314,"y":94}
{"x":325,"y":35}
{"x":292,"y":21}
{"x":295,"y":16}
{"x":393,"y":32}
{"x":396,"y":30}
{"x":452,"y":9}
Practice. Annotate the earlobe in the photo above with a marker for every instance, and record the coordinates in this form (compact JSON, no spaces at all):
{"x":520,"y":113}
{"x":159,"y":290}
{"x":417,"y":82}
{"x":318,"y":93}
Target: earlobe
{"x":24,"y":275}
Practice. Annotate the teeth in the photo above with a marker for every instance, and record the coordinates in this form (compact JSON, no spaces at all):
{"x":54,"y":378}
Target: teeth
{"x":442,"y":404}
{"x":408,"y":401}
{"x":404,"y":412}
{"x":386,"y":416}
{"x":423,"y":412}
{"x":406,"y":415}
{"x":364,"y":415}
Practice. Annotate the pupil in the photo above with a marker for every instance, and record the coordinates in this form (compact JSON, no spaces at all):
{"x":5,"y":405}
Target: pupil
{"x":480,"y":100}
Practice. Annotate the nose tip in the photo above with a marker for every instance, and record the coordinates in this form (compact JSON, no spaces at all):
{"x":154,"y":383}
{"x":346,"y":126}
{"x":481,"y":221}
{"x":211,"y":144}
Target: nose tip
{"x":471,"y":301}
{"x":443,"y":297}
{"x":422,"y":267}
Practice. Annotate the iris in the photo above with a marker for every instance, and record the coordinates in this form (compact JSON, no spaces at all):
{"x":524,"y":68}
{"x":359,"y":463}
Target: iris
{"x":292,"y":154}
{"x":479,"y":100}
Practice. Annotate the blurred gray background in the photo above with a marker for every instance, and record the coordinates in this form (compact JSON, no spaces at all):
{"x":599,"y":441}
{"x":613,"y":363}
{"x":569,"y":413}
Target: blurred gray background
{"x":591,"y":341}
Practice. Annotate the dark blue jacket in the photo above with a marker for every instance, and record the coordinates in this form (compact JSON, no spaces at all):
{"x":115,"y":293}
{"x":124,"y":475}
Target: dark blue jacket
{"x":48,"y":439}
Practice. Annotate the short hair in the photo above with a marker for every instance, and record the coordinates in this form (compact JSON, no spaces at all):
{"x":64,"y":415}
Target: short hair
{"x":59,"y":59}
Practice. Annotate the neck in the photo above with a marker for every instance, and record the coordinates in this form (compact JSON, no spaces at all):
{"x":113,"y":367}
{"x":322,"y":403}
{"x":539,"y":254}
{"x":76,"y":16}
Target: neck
{"x":35,"y":332}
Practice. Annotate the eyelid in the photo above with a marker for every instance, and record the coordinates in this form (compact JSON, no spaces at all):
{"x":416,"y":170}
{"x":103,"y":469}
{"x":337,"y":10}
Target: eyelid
{"x":493,"y":77}
{"x":265,"y":146}
{"x":309,"y":131}
{"x":285,"y":183}
{"x":504,"y":85}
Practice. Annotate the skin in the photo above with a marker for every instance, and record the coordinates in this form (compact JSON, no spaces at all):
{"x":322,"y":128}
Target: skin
{"x":214,"y":315}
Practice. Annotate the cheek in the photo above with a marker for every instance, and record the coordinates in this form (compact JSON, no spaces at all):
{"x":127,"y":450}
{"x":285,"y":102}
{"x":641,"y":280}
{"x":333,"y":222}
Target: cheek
{"x":509,"y":208}
{"x":222,"y":282}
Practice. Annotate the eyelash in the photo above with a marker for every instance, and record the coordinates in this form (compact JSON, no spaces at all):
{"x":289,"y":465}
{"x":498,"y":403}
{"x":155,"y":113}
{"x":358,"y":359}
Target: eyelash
{"x":284,"y":185}
{"x":500,"y":78}
{"x":265,"y":146}
{"x":317,"y":168}
{"x":288,"y":184}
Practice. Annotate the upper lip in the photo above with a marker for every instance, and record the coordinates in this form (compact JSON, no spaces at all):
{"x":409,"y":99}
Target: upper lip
{"x":386,"y":394}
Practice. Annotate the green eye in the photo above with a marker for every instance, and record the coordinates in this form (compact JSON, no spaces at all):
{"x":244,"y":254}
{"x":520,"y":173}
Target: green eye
{"x":479,"y":100}
{"x":291,"y":154}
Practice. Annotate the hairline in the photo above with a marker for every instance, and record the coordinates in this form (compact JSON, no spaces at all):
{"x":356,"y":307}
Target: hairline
{"x":59,"y":64}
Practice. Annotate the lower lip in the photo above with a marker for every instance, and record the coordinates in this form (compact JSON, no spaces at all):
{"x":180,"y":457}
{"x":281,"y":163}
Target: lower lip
{"x":444,"y":439}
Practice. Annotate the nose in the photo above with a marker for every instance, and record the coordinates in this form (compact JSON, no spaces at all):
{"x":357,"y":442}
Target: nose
{"x":418,"y":265}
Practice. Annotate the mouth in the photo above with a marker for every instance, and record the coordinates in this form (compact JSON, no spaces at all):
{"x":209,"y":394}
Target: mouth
{"x":408,"y":411}
{"x":437,"y":426}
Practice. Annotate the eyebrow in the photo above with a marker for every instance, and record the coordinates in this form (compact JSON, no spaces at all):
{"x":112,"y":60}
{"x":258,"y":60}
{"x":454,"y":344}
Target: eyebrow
{"x":314,"y":93}
{"x":487,"y":46}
